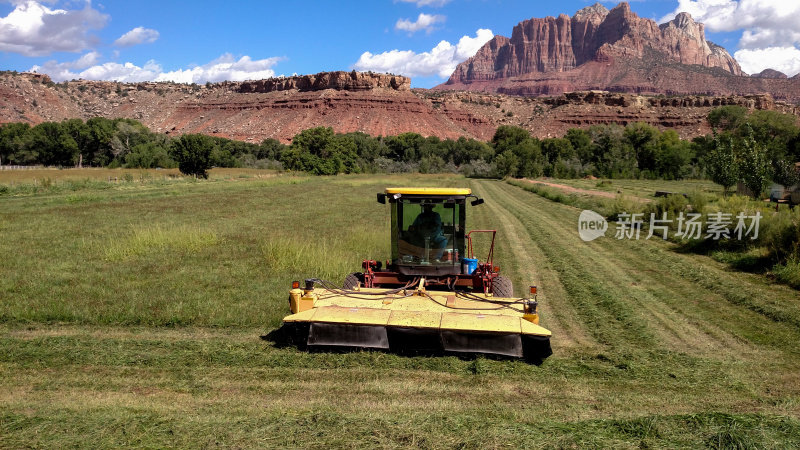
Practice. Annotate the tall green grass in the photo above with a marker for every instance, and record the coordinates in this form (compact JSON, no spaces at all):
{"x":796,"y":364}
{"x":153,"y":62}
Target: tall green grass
{"x":152,"y":240}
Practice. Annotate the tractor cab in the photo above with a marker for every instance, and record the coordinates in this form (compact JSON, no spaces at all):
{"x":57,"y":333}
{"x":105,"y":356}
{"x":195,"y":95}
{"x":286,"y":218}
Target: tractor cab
{"x":429,"y":239}
{"x":427,"y":229}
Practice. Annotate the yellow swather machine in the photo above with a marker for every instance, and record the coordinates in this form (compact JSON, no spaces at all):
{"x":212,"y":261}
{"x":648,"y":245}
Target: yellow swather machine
{"x":432,"y":297}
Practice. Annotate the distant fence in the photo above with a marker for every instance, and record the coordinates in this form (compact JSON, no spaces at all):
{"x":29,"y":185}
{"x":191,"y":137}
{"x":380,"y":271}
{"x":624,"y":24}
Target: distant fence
{"x":8,"y":167}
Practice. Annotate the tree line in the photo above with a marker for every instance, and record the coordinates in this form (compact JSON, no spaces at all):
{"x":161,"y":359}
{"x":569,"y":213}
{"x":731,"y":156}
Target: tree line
{"x":755,"y":148}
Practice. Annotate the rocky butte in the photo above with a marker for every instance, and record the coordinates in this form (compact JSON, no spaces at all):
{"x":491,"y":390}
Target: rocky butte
{"x":376,"y":104}
{"x":614,"y":50}
{"x":279,"y":108}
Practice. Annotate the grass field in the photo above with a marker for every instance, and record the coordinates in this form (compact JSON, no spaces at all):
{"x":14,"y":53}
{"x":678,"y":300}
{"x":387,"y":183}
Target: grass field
{"x":645,"y":189}
{"x":131,"y":314}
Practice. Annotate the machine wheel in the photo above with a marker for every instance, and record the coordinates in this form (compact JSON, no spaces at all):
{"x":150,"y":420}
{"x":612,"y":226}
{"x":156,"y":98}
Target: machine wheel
{"x":502,"y":287}
{"x":351,"y":281}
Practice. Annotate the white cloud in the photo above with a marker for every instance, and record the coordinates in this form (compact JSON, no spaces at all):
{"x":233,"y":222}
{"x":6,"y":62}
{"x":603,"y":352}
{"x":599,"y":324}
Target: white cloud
{"x":33,"y":29}
{"x":783,"y":59}
{"x":761,"y":38}
{"x":440,"y":61}
{"x":730,"y":15}
{"x":136,"y":36}
{"x":87,"y":60}
{"x":432,"y":3}
{"x":423,"y":22}
{"x":770,"y":28}
{"x":226,"y":67}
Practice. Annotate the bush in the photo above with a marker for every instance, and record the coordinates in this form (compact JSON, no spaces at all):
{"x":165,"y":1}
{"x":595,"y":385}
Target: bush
{"x":697,"y":201}
{"x":789,"y":272}
{"x":672,"y":204}
{"x":780,"y":233}
{"x":624,"y":204}
{"x":478,"y":169}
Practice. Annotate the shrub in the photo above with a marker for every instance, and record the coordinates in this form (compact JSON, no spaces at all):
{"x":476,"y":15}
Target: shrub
{"x":624,"y":204}
{"x":780,"y":233}
{"x":697,"y":201}
{"x":478,"y":168}
{"x":672,"y":204}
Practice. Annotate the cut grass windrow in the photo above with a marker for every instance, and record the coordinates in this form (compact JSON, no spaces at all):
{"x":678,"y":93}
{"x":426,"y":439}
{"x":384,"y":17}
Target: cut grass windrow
{"x":133,"y":316}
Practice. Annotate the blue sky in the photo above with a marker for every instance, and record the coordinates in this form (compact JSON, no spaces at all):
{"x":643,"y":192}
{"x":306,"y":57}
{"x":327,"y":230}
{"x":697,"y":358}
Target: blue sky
{"x":202,"y":41}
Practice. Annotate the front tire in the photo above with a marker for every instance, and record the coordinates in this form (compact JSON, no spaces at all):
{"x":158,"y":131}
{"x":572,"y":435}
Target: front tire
{"x":502,"y":287}
{"x":352,"y":281}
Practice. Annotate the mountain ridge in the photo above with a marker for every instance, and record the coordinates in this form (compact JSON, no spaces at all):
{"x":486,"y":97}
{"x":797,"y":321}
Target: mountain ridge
{"x":616,"y":50}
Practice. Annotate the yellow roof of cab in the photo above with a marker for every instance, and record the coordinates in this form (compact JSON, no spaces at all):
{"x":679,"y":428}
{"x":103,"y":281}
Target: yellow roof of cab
{"x":429,"y":191}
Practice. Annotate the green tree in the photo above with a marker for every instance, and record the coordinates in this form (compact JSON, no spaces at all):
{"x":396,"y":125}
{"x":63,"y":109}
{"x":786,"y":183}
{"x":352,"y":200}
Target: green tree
{"x":11,"y":138}
{"x":193,"y":154}
{"x":98,"y":151}
{"x":270,"y":149}
{"x":150,"y":155}
{"x":582,"y":144}
{"x":506,"y":137}
{"x":506,"y":164}
{"x":613,"y":155}
{"x":644,"y":140}
{"x":753,"y":164}
{"x":127,"y":134}
{"x":785,"y":173}
{"x":774,"y":130}
{"x":49,"y":143}
{"x":467,"y":150}
{"x":554,"y":149}
{"x":320,"y":152}
{"x":404,"y":147}
{"x":81,"y":133}
{"x":721,"y":163}
{"x":672,"y":156}
{"x":727,"y":118}
{"x":527,"y":151}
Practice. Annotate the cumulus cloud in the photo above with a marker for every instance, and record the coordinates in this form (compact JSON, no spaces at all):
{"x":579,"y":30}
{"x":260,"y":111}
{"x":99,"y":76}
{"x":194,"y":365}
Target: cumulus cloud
{"x":224,"y":68}
{"x":440,"y":61}
{"x":33,"y":29}
{"x":769,"y":27}
{"x":783,"y":59}
{"x":730,"y":15}
{"x":66,"y":70}
{"x":423,"y":22}
{"x":136,"y":36}
{"x":433,"y":3}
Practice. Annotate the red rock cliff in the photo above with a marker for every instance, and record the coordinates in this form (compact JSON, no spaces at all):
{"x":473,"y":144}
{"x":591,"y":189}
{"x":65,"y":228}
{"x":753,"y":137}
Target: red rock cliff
{"x":593,"y":34}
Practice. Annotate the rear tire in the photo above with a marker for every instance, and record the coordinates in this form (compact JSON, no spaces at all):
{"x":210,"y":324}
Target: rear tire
{"x":502,"y":287}
{"x":352,"y":281}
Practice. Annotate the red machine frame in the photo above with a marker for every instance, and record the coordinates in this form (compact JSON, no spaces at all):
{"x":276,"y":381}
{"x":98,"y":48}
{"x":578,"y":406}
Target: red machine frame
{"x":479,"y":281}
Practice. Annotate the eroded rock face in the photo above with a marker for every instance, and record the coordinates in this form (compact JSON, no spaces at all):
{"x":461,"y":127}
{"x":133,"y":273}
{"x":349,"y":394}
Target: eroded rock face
{"x":560,"y":44}
{"x":246,"y":113}
{"x":376,"y":104}
{"x":343,"y":81}
{"x":598,"y":49}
